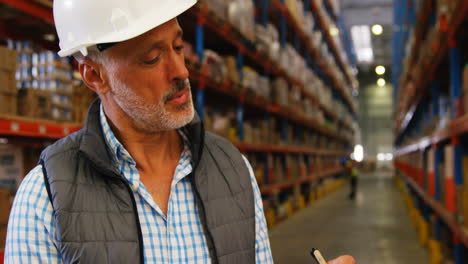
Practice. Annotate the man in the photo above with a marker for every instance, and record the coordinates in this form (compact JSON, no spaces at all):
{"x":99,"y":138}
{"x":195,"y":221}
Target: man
{"x":141,"y":182}
{"x":353,"y":175}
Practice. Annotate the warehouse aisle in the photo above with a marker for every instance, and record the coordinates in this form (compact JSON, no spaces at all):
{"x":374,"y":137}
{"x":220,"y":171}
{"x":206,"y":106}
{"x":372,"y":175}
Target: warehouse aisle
{"x":376,"y":228}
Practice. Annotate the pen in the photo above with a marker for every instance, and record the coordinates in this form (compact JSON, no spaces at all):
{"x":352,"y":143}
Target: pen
{"x":317,"y":256}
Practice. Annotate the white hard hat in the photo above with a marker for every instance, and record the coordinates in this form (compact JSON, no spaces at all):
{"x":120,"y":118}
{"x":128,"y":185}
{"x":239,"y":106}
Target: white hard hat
{"x":84,"y":23}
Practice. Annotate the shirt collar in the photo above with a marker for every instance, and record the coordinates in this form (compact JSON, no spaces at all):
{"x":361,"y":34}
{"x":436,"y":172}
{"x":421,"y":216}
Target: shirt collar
{"x":117,"y":150}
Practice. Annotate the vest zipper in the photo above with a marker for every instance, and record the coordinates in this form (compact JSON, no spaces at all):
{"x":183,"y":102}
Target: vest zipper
{"x":208,"y":234}
{"x":202,"y":214}
{"x":140,"y":234}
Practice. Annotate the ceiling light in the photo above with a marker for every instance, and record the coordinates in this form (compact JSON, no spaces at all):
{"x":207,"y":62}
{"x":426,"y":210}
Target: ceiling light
{"x":389,"y":156}
{"x":380,"y":70}
{"x":334,"y":31}
{"x":381,"y":82}
{"x":381,"y":157}
{"x":49,"y":37}
{"x":377,"y":29}
{"x":358,"y":153}
{"x":361,"y":37}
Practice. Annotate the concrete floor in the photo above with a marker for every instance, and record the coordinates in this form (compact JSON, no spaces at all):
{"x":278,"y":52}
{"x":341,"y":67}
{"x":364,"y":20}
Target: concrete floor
{"x":375,"y":228}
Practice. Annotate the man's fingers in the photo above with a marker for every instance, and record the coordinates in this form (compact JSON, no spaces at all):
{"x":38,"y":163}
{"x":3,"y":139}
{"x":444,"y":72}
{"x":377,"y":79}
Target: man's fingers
{"x":343,"y":260}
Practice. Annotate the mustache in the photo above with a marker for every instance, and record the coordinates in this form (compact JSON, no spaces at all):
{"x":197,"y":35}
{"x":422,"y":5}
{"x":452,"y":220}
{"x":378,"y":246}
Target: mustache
{"x":178,"y":86}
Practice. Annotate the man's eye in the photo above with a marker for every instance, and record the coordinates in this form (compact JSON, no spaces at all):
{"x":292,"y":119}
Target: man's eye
{"x":153,"y":61}
{"x":179,"y":48}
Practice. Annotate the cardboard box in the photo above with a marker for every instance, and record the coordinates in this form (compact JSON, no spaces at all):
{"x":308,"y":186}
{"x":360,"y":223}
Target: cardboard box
{"x":62,"y":113}
{"x":82,"y":99}
{"x":8,"y":104}
{"x":231,"y":67}
{"x":3,"y":233}
{"x":8,"y":60}
{"x":34,"y":103}
{"x":7,"y":81}
{"x":30,"y":158}
{"x":11,"y":166}
{"x":5,"y":206}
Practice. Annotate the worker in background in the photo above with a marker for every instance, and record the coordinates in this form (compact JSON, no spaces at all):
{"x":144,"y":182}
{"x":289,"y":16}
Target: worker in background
{"x":142,"y":182}
{"x":353,"y":172}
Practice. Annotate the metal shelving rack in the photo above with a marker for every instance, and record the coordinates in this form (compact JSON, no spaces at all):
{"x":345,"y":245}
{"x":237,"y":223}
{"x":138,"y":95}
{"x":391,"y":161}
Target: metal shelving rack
{"x":432,"y":71}
{"x":206,"y":21}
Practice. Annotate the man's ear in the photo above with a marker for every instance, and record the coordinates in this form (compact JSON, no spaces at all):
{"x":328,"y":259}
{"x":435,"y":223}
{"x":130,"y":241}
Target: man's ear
{"x":94,"y":76}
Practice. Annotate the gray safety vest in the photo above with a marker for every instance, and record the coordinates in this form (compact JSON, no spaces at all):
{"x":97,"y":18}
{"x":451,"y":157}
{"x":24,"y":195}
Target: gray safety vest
{"x":95,"y":213}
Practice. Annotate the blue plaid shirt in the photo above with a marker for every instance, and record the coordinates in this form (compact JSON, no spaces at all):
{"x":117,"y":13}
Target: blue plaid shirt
{"x":175,"y":238}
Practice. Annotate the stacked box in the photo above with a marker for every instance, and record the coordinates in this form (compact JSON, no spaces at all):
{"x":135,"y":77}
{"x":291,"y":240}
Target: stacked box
{"x":302,"y":168}
{"x":280,"y":92}
{"x":48,"y":74}
{"x":30,"y":158}
{"x":5,"y":205}
{"x":11,"y":167}
{"x":52,"y":73}
{"x":296,"y":8}
{"x":8,"y":104}
{"x":34,"y":103}
{"x":278,"y":169}
{"x":7,"y":81}
{"x":215,"y":66}
{"x":250,"y":80}
{"x":216,"y":6}
{"x":24,"y":75}
{"x":248,"y":133}
{"x":232,"y":72}
{"x":294,"y":166}
{"x":267,"y":41}
{"x":241,"y":15}
{"x":82,"y":99}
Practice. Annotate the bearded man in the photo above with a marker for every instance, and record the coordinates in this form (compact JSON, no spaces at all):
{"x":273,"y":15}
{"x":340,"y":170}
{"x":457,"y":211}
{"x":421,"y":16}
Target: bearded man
{"x":142,"y":182}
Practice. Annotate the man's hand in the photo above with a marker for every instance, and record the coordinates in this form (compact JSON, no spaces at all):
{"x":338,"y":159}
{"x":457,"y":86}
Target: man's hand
{"x":343,"y":260}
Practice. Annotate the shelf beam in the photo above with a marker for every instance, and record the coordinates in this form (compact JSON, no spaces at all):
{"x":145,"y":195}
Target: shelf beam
{"x":262,"y":103}
{"x":455,"y":128}
{"x":21,"y":127}
{"x":246,"y":147}
{"x":448,"y":218}
{"x":31,"y":8}
{"x":273,"y":188}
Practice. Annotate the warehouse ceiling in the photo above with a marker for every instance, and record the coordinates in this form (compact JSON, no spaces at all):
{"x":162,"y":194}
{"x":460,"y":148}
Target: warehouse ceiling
{"x":371,"y":12}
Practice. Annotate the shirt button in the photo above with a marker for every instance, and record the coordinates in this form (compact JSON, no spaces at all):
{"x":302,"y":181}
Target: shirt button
{"x":171,"y":229}
{"x":134,"y":187}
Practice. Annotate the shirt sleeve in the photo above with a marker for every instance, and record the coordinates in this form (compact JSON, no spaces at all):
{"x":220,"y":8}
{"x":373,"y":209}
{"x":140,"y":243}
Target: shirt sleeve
{"x":262,"y":243}
{"x":30,"y":233}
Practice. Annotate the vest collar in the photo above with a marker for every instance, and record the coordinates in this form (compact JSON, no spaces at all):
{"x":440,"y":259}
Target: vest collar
{"x":94,"y":147}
